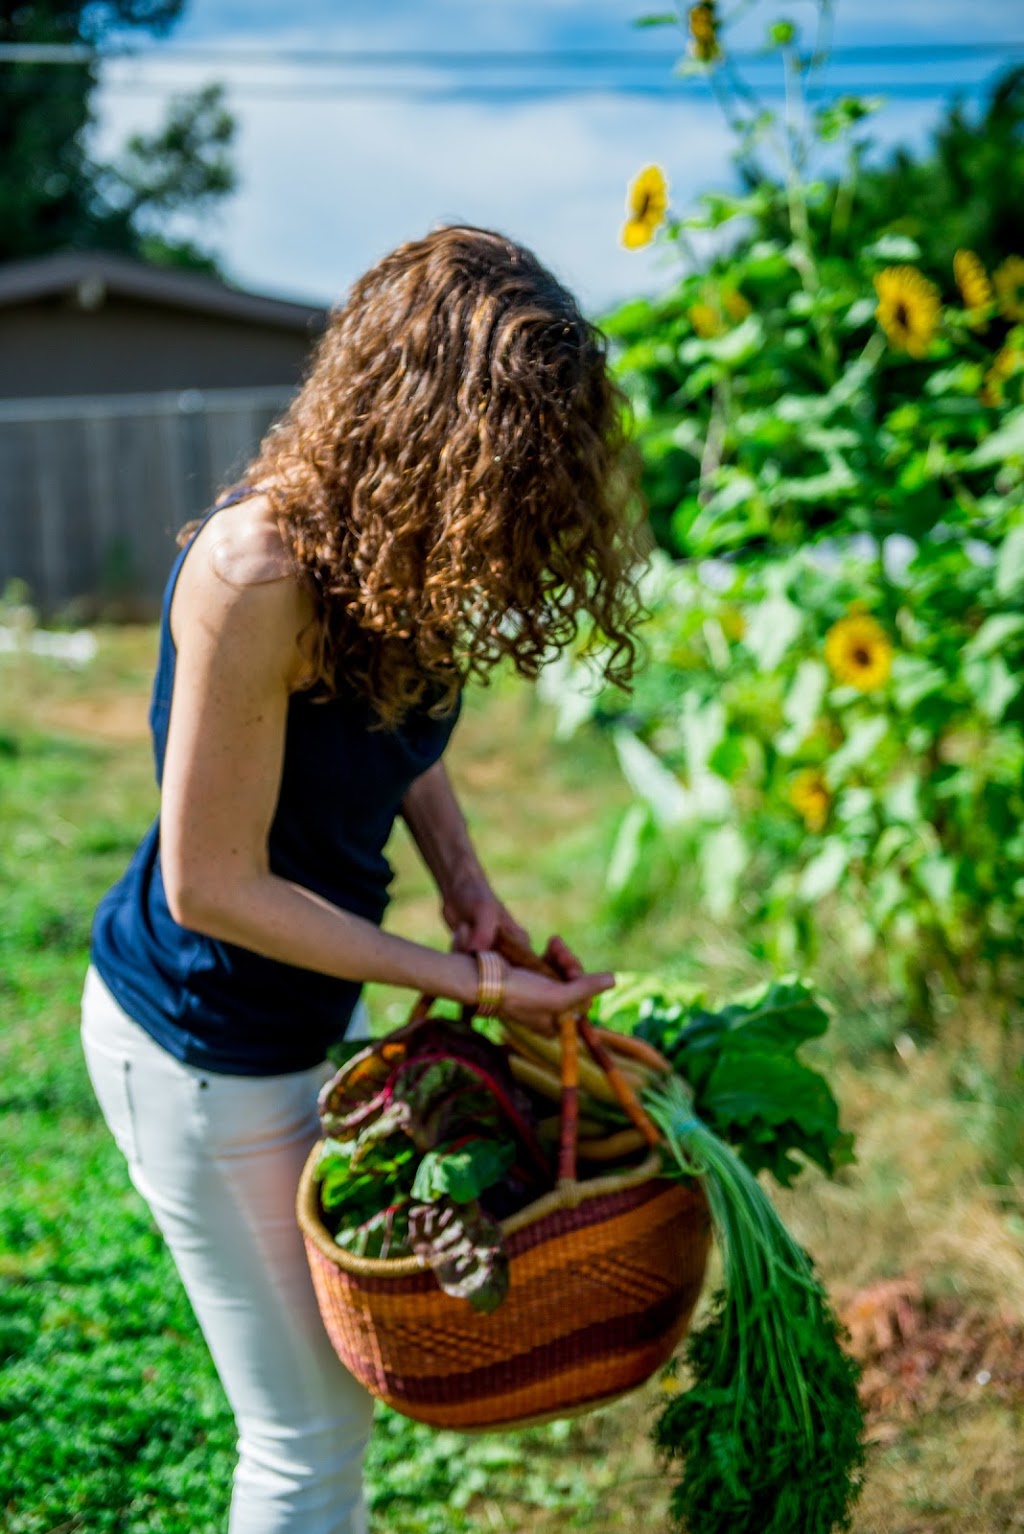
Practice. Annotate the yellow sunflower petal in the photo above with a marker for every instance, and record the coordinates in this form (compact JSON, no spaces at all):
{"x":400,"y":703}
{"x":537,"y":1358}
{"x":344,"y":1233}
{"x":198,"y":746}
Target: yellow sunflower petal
{"x":647,"y":198}
{"x":1008,"y":280}
{"x":1007,"y":361}
{"x":636,"y":232}
{"x":972,"y":280}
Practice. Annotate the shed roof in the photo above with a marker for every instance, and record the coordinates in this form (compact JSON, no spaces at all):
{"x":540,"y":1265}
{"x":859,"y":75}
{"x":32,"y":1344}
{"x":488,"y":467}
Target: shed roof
{"x":93,"y":276}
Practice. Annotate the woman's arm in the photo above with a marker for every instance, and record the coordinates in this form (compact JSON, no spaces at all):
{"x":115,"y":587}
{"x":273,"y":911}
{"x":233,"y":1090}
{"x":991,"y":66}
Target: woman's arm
{"x":236,"y":617}
{"x":470,"y":907}
{"x":473,"y":912}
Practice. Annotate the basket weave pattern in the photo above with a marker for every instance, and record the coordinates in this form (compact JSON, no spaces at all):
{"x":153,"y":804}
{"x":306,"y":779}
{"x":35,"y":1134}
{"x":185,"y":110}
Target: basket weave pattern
{"x":602,"y":1287}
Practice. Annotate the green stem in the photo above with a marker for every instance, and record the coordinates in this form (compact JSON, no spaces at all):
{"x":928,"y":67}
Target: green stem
{"x":796,"y":201}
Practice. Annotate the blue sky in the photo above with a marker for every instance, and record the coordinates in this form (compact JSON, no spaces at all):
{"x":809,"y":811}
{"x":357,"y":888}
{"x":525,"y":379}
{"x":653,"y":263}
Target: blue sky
{"x":338,"y":165}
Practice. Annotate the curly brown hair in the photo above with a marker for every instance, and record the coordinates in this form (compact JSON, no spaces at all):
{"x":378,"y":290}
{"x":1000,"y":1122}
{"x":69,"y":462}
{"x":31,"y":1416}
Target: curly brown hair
{"x":452,"y":478}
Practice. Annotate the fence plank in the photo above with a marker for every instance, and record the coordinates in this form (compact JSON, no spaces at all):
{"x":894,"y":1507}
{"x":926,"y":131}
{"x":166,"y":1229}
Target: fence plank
{"x":51,"y":516}
{"x":18,"y":555}
{"x":94,"y":489}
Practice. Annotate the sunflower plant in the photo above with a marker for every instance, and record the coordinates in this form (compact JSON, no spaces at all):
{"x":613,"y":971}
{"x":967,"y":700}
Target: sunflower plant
{"x":783,"y":391}
{"x":829,"y":732}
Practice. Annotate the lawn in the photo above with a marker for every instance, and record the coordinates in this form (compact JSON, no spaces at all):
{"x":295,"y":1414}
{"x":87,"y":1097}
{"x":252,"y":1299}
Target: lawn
{"x":112,"y":1418}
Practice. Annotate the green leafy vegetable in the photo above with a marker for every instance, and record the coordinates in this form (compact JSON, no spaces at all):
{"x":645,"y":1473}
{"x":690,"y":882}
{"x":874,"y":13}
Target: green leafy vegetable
{"x":741,"y":1063}
{"x":430,"y":1142}
{"x":771,"y":1431}
{"x":462,"y":1171}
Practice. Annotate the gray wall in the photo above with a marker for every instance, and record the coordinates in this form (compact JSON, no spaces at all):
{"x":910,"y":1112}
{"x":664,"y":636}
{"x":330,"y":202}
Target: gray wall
{"x":52,"y":347}
{"x":94,"y":490}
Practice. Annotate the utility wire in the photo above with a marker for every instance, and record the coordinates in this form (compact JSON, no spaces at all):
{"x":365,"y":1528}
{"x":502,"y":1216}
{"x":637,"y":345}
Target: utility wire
{"x":579,"y":64}
{"x":341,"y":91}
{"x":557,"y":58}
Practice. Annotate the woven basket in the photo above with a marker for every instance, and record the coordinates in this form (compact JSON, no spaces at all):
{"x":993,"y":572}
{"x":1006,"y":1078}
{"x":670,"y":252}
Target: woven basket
{"x":604,"y":1275}
{"x":600,"y":1294}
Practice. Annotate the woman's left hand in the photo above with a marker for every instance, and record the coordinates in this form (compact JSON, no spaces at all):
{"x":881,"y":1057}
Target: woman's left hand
{"x":476,"y":916}
{"x":477,"y":919}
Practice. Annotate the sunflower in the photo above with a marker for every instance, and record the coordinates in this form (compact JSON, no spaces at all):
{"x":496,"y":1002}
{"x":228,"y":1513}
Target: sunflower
{"x":1009,"y":285}
{"x":809,"y":796}
{"x":908,"y":308}
{"x":705,"y":319}
{"x":975,"y":288}
{"x":646,"y":204}
{"x":704,"y":33}
{"x":858,"y":651}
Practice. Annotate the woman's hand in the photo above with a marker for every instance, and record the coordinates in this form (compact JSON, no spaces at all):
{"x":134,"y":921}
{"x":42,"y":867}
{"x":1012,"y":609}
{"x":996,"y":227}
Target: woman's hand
{"x":475,"y":915}
{"x":538,"y":1002}
{"x":478,"y":921}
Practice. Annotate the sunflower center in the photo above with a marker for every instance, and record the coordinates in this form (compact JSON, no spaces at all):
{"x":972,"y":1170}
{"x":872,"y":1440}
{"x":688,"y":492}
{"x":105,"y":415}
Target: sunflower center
{"x":643,"y":206}
{"x":902,"y":315}
{"x":861,"y":656}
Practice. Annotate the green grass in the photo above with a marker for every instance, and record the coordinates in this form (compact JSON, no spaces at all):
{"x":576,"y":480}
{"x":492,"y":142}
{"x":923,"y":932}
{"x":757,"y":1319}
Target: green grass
{"x":111,"y":1417}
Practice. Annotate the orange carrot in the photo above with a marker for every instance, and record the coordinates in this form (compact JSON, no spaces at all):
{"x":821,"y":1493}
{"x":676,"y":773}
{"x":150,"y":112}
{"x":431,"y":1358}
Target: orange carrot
{"x":633,"y":1048}
{"x":623,"y":1091}
{"x":570,"y":1097}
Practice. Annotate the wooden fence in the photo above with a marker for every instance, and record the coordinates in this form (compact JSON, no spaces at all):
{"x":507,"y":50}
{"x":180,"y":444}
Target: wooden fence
{"x":94,"y":489}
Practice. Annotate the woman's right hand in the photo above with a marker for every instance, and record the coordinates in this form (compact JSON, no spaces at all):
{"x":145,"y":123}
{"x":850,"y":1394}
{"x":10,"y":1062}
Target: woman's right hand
{"x":538,"y":1002}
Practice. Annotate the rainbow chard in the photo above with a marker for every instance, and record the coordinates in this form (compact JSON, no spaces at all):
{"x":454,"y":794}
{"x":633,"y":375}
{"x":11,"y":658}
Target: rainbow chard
{"x":770,"y":1432}
{"x":430,"y":1143}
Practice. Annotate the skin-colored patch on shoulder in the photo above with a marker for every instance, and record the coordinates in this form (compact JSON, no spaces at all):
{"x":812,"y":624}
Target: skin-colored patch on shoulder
{"x":250,"y":556}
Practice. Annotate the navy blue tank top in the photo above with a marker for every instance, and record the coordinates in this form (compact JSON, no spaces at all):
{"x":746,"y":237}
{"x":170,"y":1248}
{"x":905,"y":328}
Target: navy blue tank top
{"x":226,"y":1008}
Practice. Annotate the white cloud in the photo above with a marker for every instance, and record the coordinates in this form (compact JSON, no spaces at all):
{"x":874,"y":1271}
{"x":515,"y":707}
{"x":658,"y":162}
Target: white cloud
{"x":327,"y":185}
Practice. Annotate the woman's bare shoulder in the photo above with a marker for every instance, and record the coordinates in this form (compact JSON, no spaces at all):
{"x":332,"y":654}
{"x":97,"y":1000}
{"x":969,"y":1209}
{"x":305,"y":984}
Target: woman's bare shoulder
{"x":242,"y":545}
{"x":239,"y":571}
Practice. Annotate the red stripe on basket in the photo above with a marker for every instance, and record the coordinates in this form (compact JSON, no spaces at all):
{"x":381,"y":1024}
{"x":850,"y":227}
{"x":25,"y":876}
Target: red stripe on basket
{"x":590,"y":1343}
{"x":590,"y":1211}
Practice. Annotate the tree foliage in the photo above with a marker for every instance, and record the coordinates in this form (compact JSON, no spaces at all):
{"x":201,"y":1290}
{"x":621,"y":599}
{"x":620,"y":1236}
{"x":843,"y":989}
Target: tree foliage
{"x":963,"y":194}
{"x":54,"y":194}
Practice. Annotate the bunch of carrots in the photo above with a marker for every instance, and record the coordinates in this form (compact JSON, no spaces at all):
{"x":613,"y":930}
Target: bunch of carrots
{"x":591,"y":1093}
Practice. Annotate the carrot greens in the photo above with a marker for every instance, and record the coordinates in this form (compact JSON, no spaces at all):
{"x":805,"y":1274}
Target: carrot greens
{"x":770,"y":1431}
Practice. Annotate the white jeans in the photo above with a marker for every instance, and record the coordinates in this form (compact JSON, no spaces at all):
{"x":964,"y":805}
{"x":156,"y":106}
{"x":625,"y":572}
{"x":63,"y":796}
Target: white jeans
{"x":217,"y":1158}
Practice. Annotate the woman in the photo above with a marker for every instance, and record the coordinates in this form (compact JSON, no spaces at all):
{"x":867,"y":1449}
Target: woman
{"x":443,"y":494}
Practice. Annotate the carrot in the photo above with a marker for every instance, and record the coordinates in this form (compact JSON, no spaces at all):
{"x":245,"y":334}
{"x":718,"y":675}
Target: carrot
{"x":633,"y":1048}
{"x":611,"y":1147}
{"x":621,"y":1087}
{"x":570,"y":1097}
{"x":549,"y":1053}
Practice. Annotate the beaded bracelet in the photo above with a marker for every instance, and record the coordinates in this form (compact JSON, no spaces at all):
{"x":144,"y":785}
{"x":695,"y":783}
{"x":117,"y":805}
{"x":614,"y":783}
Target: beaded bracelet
{"x":491,"y":985}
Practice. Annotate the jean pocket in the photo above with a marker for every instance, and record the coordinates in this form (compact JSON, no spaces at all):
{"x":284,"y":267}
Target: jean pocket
{"x":111,"y":1077}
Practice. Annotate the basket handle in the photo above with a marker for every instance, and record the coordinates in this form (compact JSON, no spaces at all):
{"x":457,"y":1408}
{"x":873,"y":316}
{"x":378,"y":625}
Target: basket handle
{"x":572,"y":1027}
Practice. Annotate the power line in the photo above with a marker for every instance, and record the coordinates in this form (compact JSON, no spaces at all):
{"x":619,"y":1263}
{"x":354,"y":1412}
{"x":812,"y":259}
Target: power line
{"x":340,"y":91}
{"x":42,"y":54}
{"x":579,"y":64}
